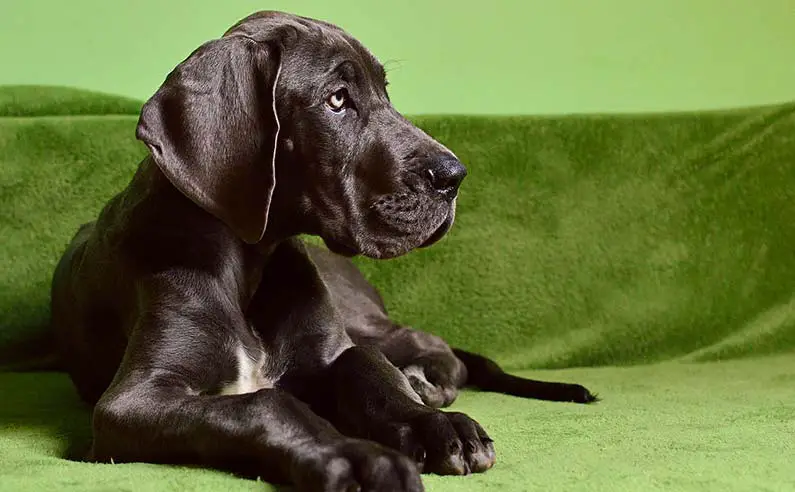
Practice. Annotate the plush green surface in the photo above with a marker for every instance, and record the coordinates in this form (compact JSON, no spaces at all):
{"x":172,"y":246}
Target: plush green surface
{"x":681,"y":427}
{"x":662,"y":242}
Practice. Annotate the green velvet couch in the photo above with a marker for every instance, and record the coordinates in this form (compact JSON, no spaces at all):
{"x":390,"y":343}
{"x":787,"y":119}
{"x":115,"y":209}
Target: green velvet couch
{"x":648,"y":257}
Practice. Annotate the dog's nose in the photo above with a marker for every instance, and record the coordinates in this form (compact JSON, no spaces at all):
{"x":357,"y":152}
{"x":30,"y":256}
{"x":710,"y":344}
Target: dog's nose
{"x":446,"y":174}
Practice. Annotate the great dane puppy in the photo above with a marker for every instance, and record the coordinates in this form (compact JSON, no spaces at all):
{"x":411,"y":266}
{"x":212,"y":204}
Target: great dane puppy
{"x":204,"y":332}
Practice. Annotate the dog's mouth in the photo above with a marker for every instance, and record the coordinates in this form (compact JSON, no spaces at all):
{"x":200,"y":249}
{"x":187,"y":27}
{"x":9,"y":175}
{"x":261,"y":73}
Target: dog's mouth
{"x":440,"y":231}
{"x":394,"y":247}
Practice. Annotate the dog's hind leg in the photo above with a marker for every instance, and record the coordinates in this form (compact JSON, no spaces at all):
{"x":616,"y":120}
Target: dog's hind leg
{"x":432,"y":369}
{"x":435,"y":371}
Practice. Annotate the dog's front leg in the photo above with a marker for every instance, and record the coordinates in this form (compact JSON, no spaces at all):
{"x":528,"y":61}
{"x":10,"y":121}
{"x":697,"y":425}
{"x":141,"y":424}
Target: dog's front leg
{"x":163,"y":407}
{"x":269,"y":434}
{"x":369,"y":397}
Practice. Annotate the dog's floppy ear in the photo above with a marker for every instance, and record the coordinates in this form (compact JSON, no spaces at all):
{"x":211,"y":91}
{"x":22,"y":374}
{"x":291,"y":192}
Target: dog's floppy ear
{"x":212,"y":128}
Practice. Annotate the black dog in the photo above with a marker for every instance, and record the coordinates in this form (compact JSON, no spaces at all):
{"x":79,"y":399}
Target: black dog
{"x":205,"y":333}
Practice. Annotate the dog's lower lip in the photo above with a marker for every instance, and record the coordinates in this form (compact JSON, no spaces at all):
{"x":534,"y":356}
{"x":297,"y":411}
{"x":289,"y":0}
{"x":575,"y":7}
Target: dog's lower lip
{"x":437,"y":234}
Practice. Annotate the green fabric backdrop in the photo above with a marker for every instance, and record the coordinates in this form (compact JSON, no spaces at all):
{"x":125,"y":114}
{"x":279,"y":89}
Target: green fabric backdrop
{"x":649,"y":257}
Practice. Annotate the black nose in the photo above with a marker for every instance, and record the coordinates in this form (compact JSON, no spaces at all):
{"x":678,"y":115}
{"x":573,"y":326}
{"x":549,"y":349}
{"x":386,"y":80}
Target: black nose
{"x":446,"y":174}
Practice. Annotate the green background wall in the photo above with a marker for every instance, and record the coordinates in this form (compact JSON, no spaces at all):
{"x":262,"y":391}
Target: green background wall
{"x":499,"y":56}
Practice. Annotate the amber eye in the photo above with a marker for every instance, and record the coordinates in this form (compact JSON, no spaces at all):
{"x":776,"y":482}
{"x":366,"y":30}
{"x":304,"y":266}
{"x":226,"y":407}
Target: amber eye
{"x":337,"y":101}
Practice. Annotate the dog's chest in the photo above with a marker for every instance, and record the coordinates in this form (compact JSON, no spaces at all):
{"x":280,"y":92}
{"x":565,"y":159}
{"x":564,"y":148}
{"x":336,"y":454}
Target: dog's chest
{"x":250,"y":373}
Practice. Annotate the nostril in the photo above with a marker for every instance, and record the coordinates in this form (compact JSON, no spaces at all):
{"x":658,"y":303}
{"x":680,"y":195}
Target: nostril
{"x":431,"y":176}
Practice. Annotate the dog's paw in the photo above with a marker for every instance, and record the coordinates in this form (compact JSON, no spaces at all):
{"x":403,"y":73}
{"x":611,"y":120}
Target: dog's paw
{"x":356,"y":465}
{"x":445,"y":443}
{"x":435,"y":389}
{"x":436,"y":378}
{"x":580,"y":394}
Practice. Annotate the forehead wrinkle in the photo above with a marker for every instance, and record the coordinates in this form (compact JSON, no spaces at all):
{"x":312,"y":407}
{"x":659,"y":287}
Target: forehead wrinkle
{"x":363,"y":58}
{"x":373,"y":66}
{"x":347,"y":71}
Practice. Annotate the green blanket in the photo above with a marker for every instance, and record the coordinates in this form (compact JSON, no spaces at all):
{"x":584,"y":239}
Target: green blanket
{"x":648,"y":257}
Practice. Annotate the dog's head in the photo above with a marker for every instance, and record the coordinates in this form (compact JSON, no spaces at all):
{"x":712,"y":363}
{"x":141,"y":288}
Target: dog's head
{"x":290,"y":116}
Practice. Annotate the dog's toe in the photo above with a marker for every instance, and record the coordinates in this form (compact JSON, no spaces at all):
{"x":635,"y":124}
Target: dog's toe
{"x":358,"y":466}
{"x":456,"y":444}
{"x":433,"y":390}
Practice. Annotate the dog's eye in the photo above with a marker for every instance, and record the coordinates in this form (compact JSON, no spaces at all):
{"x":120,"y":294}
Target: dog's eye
{"x":337,"y":101}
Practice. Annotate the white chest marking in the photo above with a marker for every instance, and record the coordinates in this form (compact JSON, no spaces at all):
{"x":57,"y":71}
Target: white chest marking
{"x":250,"y":377}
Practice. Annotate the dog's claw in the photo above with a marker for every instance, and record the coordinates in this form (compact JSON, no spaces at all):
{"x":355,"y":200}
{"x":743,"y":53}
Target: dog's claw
{"x":491,"y":454}
{"x":454,"y":463}
{"x":479,"y":456}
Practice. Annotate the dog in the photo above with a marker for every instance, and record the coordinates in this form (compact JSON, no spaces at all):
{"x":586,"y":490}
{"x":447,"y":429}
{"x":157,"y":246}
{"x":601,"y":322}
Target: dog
{"x":203,"y":331}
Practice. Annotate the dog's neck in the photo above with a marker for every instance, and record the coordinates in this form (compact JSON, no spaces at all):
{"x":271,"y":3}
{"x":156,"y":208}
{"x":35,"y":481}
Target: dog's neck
{"x":286,"y":219}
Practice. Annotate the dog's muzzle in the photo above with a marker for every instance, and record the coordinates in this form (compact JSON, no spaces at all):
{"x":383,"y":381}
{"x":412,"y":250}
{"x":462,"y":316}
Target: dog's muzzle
{"x":445,"y":176}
